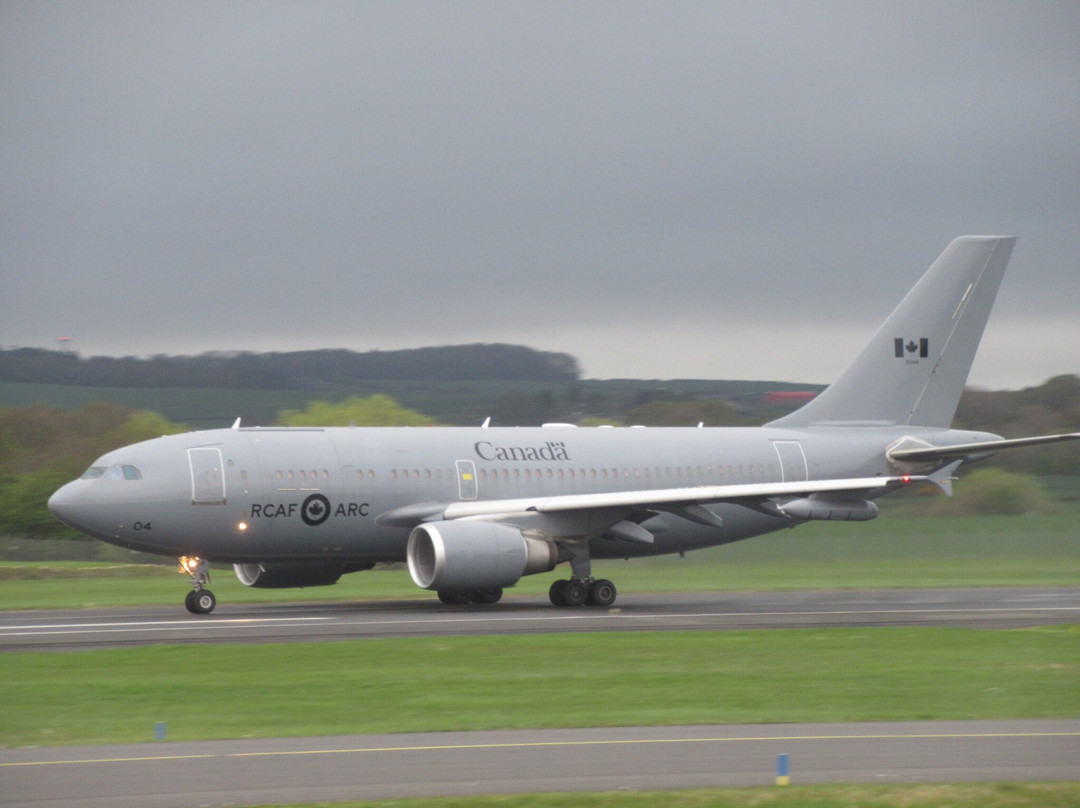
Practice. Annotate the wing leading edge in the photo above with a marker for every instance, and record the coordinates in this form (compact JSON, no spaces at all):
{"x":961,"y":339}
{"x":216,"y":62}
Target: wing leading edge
{"x":685,"y":501}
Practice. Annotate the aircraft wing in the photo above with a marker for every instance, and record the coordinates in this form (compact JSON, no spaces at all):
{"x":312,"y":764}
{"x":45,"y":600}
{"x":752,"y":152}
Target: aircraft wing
{"x":972,"y":451}
{"x":662,"y":499}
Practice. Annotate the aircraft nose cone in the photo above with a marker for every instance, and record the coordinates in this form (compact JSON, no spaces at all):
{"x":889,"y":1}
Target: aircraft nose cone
{"x":64,"y":504}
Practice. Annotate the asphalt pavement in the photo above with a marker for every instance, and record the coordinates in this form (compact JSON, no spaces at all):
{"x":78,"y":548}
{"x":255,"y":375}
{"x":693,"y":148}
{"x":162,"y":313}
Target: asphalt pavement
{"x":299,"y":622}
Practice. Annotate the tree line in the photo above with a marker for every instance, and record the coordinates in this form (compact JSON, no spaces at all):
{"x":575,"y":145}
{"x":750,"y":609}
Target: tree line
{"x":297,"y":370}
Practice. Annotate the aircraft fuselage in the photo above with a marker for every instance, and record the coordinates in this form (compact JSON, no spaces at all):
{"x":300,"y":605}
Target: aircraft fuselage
{"x":253,"y":495}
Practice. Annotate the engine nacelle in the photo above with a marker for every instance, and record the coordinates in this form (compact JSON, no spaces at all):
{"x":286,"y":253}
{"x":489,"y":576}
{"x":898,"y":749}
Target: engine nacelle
{"x":286,"y":576}
{"x":832,"y":510}
{"x":475,"y":555}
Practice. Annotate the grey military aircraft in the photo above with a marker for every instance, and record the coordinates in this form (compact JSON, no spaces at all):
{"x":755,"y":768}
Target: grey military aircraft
{"x":472,"y":510}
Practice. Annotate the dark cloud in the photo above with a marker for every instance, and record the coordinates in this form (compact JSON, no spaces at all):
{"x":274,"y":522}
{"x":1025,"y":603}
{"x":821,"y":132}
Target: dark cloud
{"x":687,"y":190}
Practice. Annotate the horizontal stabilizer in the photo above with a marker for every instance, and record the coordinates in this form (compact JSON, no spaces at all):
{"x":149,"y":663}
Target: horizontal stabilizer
{"x":973,"y":451}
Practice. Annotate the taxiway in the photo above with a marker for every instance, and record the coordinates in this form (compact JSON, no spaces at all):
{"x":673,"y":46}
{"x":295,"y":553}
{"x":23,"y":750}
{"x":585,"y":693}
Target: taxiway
{"x":252,"y":772}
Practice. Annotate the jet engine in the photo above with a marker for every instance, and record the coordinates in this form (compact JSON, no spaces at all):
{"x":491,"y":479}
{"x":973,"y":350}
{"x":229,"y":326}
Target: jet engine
{"x":286,"y":576}
{"x":475,"y":555}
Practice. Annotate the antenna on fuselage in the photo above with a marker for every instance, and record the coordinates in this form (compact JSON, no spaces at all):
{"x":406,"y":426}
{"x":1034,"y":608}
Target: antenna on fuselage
{"x":236,"y":424}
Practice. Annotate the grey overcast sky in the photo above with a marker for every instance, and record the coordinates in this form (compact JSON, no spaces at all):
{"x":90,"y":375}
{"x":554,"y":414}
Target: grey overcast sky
{"x":709,"y":190}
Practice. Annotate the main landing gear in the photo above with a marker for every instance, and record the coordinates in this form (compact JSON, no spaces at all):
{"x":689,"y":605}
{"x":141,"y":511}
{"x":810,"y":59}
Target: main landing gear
{"x":576,"y":592}
{"x":198,"y":600}
{"x":582,"y":589}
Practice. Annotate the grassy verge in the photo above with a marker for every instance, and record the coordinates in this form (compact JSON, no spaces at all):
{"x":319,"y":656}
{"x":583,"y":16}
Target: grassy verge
{"x":889,"y":552}
{"x":464,"y":683}
{"x":964,"y":795}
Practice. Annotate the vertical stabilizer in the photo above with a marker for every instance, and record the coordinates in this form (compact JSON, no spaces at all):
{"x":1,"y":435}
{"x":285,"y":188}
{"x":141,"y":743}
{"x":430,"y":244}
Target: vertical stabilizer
{"x":914,"y":369}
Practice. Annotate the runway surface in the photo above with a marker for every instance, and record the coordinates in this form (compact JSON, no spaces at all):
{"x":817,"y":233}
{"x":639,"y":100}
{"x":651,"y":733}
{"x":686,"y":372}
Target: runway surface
{"x":103,"y":628}
{"x":175,"y":775}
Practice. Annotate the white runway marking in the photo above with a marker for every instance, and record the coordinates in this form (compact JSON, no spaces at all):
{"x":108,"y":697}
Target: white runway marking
{"x":146,"y":625}
{"x":248,"y":622}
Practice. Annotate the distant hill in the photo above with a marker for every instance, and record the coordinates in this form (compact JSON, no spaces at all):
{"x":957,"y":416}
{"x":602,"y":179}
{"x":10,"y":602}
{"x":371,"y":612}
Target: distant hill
{"x":300,"y":370}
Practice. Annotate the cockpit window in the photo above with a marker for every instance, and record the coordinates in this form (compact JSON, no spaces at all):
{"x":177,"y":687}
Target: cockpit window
{"x":114,"y":472}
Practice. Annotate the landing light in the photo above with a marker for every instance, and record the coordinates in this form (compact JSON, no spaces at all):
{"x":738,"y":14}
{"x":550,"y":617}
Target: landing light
{"x":242,"y":526}
{"x":188,"y":565}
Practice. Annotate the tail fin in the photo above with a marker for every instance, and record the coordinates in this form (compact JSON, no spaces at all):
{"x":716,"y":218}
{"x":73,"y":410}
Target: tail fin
{"x":914,"y":369}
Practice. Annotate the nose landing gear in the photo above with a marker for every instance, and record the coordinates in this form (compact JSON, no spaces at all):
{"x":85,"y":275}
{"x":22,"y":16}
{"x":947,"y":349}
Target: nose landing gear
{"x":199,"y":600}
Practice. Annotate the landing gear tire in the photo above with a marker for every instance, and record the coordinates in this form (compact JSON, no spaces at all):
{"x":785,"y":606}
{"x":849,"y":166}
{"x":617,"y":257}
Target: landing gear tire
{"x":601,"y":593}
{"x":201,"y":602}
{"x":555,"y":593}
{"x":491,"y":595}
{"x":455,"y":597}
{"x":461,"y":597}
{"x":576,"y":592}
{"x":568,"y":593}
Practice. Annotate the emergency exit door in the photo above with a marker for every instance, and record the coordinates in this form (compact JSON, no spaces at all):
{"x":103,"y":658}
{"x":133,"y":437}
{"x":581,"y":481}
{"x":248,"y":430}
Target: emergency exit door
{"x":207,"y":476}
{"x":792,"y":460}
{"x":466,"y":477}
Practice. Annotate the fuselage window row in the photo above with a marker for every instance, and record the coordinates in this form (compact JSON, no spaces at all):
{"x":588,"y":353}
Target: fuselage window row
{"x":658,"y":475}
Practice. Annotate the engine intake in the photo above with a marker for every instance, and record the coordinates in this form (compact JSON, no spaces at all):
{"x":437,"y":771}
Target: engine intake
{"x":475,"y":555}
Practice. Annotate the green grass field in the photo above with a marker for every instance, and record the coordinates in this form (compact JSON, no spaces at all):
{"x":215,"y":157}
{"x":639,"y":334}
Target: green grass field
{"x":892,"y":551}
{"x":556,"y":680}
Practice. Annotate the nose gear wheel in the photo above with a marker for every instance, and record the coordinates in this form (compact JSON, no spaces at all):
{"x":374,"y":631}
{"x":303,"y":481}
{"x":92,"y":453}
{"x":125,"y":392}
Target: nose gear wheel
{"x":199,"y":600}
